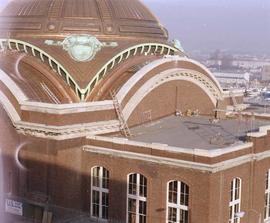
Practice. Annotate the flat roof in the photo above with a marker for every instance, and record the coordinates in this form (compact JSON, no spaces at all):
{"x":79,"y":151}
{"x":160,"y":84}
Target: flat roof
{"x":258,"y":105}
{"x":196,"y":132}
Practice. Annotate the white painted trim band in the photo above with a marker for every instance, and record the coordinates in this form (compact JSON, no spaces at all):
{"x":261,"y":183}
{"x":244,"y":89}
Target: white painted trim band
{"x":9,"y":108}
{"x":142,"y":72}
{"x":212,"y":168}
{"x":211,"y":153}
{"x":68,"y":131}
{"x":67,"y":108}
{"x":13,"y":87}
{"x":262,"y":132}
{"x":52,"y":108}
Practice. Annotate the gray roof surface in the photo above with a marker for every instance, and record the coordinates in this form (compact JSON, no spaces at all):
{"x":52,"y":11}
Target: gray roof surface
{"x":196,"y":132}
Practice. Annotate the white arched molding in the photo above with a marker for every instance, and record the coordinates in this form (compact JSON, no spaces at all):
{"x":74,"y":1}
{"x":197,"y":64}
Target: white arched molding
{"x":13,"y":87}
{"x":203,"y":68}
{"x":16,"y":92}
{"x":201,"y":80}
{"x":28,"y":48}
{"x":142,"y":72}
{"x":9,"y":108}
{"x":82,"y":93}
{"x":139,"y":49}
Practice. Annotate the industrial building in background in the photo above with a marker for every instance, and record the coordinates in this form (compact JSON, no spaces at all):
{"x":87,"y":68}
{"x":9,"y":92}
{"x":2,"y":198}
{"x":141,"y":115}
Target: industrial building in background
{"x":104,"y":119}
{"x":233,"y":80}
{"x":266,"y":73}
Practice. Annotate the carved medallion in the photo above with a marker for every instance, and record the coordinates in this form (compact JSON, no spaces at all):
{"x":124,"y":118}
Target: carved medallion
{"x":81,"y":48}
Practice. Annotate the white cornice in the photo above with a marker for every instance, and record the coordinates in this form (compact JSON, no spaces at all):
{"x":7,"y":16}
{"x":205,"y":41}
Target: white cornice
{"x":58,"y":132}
{"x":262,"y":132}
{"x":67,"y":108}
{"x":212,"y":168}
{"x":211,"y":153}
{"x":51,"y":108}
{"x":67,"y":131}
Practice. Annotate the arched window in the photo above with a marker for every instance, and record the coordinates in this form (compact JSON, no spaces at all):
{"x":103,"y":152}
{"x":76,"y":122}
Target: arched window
{"x":136,"y":199}
{"x":235,"y":200}
{"x":267,"y":197}
{"x":99,"y":193}
{"x":177,"y":202}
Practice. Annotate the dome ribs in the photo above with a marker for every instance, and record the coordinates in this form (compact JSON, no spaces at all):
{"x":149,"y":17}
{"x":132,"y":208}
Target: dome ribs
{"x":119,"y":18}
{"x":104,"y":9}
{"x":80,"y":9}
{"x":27,"y":25}
{"x":39,"y":8}
{"x":55,"y":8}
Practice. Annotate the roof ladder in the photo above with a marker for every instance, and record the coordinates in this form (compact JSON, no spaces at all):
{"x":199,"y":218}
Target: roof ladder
{"x":123,"y":124}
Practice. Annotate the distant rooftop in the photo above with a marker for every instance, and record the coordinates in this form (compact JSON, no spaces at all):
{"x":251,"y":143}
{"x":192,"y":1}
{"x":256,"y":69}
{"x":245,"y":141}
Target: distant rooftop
{"x":196,"y":132}
{"x":258,"y":105}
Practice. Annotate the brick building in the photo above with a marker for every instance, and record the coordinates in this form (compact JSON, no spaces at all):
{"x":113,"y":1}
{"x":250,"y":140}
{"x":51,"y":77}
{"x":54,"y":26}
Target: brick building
{"x":101,"y":115}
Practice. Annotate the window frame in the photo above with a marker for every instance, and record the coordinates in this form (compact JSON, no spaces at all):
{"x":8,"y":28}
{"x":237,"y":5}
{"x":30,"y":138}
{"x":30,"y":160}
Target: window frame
{"x":137,"y":197}
{"x":178,"y":206}
{"x":267,"y":197}
{"x":101,"y":190}
{"x":233,"y":201}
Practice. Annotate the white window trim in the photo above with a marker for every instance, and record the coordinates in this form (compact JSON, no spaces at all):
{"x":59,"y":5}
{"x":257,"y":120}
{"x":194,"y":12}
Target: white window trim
{"x":235,"y":201}
{"x":136,"y":197}
{"x":100,"y":190}
{"x":267,"y":192}
{"x":178,"y":206}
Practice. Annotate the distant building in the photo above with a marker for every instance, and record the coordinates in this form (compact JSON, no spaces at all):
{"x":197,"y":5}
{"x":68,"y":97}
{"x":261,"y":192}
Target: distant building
{"x":233,"y":79}
{"x":266,"y":73}
{"x":227,"y":62}
{"x":250,"y":63}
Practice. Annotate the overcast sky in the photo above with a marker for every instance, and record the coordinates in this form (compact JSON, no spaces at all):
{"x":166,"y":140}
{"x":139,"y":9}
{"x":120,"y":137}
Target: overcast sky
{"x":239,"y":25}
{"x":2,"y":3}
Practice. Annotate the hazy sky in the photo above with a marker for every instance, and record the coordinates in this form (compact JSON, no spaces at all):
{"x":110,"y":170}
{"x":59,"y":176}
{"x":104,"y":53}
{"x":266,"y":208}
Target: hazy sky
{"x":240,"y":25}
{"x":2,"y":3}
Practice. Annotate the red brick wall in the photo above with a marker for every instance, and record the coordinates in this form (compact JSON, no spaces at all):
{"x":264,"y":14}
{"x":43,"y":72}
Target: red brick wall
{"x":169,"y":97}
{"x":62,"y":169}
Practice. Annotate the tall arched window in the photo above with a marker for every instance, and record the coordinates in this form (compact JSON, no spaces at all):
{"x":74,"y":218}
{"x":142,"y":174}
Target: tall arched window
{"x":99,"y":193}
{"x":235,"y":200}
{"x":136,"y":199}
{"x":267,"y":197}
{"x":177,"y":202}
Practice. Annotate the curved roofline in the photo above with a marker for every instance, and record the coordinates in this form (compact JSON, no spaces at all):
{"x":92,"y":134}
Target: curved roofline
{"x":156,"y":18}
{"x":206,"y":70}
{"x":13,"y":87}
{"x":105,"y":17}
{"x":34,"y":49}
{"x":82,"y":93}
{"x":9,"y":108}
{"x":202,"y":81}
{"x":142,"y":72}
{"x":51,"y":108}
{"x":120,"y":56}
